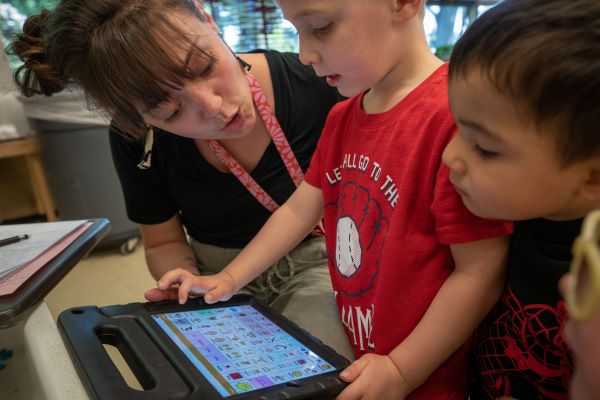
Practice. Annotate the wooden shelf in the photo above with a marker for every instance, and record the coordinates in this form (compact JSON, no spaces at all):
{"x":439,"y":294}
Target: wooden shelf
{"x":17,"y":202}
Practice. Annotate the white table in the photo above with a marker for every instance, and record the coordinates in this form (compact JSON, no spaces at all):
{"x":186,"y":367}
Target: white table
{"x":40,"y":367}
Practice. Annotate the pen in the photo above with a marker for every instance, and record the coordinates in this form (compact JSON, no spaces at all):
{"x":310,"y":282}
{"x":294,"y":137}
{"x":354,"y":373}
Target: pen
{"x":13,"y":239}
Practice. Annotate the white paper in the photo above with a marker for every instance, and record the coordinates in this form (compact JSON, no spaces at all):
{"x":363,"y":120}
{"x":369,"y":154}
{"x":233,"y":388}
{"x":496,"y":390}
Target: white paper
{"x":41,"y":237}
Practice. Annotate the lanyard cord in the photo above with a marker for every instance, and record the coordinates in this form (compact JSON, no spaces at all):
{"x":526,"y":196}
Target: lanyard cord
{"x":283,"y":148}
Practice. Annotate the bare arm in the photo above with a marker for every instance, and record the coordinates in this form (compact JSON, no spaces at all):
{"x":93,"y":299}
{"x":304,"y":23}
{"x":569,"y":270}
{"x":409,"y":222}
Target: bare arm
{"x":166,"y":247}
{"x":461,"y":303}
{"x":283,"y":231}
{"x":295,"y":219}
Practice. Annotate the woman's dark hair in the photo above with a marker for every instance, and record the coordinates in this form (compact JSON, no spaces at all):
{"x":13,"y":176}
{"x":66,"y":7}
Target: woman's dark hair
{"x":545,"y":55}
{"x":114,"y":49}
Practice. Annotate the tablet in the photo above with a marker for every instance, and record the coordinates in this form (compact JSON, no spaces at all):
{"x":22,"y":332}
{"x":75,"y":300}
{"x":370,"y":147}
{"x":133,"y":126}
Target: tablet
{"x":239,"y":349}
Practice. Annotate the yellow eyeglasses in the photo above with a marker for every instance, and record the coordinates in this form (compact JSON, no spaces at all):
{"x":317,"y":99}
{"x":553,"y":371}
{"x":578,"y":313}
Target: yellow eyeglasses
{"x":582,"y":293}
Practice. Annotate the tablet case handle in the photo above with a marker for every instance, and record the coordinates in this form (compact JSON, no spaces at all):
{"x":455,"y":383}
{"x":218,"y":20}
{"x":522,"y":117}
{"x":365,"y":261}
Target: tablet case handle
{"x":85,"y":331}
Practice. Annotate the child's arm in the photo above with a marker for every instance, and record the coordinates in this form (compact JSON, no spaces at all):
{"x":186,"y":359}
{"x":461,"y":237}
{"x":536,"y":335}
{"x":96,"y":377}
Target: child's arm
{"x":284,"y":230}
{"x":461,"y":303}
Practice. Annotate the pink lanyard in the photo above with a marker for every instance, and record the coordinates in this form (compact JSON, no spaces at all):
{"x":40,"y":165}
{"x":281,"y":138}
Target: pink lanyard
{"x":281,"y":143}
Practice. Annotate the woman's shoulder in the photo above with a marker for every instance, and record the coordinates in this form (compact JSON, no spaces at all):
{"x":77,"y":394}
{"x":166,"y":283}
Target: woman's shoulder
{"x":267,"y":58}
{"x":165,"y":144}
{"x":258,"y":66}
{"x":257,"y":60}
{"x":281,"y":66}
{"x":120,"y":139}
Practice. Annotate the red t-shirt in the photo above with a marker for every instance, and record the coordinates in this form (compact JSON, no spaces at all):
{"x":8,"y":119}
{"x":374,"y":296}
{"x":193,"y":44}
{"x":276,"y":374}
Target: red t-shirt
{"x":390,"y":215}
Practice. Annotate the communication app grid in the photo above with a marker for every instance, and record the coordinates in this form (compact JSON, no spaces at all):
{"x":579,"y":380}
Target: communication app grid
{"x":238,"y":349}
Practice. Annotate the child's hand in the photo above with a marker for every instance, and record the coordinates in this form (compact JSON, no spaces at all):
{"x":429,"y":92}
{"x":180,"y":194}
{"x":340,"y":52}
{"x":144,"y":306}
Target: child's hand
{"x":373,"y":377}
{"x":181,"y":283}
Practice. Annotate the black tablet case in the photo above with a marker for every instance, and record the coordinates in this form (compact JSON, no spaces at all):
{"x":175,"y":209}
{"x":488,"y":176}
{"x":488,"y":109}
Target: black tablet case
{"x":161,"y":368}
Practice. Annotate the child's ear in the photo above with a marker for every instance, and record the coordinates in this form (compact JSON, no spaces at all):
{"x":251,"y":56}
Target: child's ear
{"x":209,"y":19}
{"x":407,"y":9}
{"x":590,"y":190}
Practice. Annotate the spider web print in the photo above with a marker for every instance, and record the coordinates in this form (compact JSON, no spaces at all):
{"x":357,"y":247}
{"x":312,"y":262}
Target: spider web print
{"x":523,"y":354}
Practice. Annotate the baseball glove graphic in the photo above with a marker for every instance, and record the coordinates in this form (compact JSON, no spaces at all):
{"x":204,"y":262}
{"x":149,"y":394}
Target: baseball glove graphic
{"x":360,"y":235}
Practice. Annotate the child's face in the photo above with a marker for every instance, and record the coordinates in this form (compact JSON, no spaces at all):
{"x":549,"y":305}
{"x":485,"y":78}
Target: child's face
{"x":500,"y":164}
{"x":347,"y":41}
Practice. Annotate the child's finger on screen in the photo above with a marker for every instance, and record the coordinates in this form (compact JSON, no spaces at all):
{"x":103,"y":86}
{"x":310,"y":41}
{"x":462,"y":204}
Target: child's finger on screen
{"x":227,"y":294}
{"x":172,"y":277}
{"x":185,"y":289}
{"x":193,"y":293}
{"x":210,"y":297}
{"x":216,"y":293}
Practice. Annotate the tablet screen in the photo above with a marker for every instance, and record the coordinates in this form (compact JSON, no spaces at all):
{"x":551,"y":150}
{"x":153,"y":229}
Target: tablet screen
{"x":238,"y":349}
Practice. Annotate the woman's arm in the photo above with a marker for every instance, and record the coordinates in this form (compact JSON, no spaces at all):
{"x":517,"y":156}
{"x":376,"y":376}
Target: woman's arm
{"x":291,"y":223}
{"x":166,"y":247}
{"x":284,"y":230}
{"x":147,"y":199}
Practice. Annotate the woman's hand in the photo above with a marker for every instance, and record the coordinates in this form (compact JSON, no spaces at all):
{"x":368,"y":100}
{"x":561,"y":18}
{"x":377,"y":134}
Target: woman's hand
{"x":373,"y":377}
{"x":179,"y":284}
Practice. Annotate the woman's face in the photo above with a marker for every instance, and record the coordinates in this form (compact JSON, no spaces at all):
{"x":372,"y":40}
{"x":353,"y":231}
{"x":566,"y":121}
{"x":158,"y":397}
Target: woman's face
{"x":215,"y":105}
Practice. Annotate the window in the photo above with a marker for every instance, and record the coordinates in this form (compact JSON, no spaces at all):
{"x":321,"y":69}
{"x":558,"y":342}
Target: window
{"x":446,"y":20}
{"x":252,"y":24}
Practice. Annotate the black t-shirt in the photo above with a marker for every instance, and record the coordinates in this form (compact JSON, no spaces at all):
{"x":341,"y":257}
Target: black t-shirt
{"x":520,"y":351}
{"x":214,"y":206}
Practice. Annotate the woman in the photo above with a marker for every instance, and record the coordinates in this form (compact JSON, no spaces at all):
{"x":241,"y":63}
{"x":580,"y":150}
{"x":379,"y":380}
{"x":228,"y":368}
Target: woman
{"x":189,"y":119}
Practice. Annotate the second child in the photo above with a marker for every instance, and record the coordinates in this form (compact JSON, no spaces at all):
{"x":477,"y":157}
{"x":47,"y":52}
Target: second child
{"x":525,"y":91}
{"x":413,"y":270}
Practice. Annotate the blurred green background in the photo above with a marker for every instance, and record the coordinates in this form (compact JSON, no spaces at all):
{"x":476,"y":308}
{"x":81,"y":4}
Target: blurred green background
{"x":251,"y":24}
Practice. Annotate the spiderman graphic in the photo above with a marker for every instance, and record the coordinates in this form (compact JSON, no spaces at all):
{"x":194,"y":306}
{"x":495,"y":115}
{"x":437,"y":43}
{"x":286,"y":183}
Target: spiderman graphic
{"x":519,"y":351}
{"x":523,"y":354}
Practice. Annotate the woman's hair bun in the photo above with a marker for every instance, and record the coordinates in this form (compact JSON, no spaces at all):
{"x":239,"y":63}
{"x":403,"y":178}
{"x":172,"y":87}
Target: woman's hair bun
{"x":38,"y":74}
